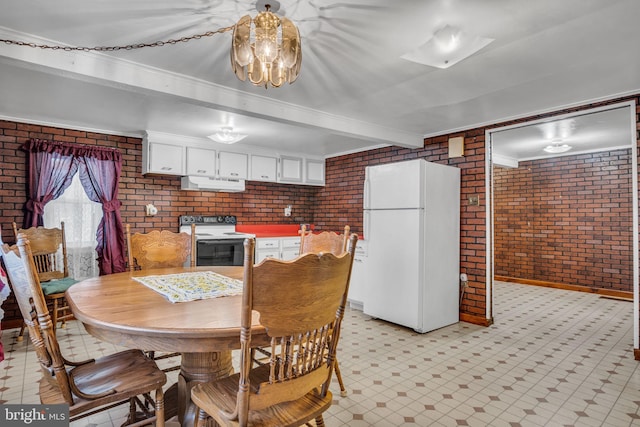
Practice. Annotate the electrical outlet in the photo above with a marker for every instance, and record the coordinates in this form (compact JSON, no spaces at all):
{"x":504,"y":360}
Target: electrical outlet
{"x":151,"y":210}
{"x":474,"y":200}
{"x":287,"y":211}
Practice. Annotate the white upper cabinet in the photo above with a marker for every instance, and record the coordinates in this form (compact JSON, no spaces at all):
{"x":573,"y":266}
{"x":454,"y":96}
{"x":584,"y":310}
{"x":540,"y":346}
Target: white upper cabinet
{"x":291,"y":169}
{"x":314,"y":172}
{"x":167,"y":154}
{"x":233,"y":165}
{"x":201,"y":162}
{"x":264,"y":168}
{"x":164,"y":159}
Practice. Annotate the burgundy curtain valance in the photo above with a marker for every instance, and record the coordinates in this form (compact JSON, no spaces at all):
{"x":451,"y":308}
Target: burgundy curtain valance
{"x":72,"y":150}
{"x":52,"y":166}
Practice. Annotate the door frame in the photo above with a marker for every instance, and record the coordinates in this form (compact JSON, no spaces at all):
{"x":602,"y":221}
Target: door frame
{"x":631,"y":105}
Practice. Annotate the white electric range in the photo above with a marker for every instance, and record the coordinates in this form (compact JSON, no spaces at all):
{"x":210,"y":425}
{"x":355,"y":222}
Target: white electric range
{"x":217,"y":241}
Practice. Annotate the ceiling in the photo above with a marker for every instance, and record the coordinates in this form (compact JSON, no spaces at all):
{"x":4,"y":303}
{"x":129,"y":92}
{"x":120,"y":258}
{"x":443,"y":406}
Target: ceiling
{"x":587,"y":131}
{"x":354,"y":92}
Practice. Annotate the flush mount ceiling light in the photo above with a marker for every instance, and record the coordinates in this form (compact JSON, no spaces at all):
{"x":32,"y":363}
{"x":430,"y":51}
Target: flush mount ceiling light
{"x":447,"y":46}
{"x":226,"y":135}
{"x":266,"y":49}
{"x":557,"y":148}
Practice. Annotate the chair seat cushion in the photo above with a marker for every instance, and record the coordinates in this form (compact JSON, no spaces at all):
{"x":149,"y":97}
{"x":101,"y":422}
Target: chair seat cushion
{"x":57,"y":286}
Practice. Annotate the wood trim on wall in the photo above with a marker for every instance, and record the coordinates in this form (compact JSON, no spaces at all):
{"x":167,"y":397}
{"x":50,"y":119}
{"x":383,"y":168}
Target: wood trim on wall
{"x":476,"y":320}
{"x":622,"y":295}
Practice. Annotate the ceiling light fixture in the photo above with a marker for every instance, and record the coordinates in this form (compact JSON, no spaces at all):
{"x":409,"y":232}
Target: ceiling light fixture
{"x":446,"y":47}
{"x":226,"y":135}
{"x":557,"y":148}
{"x":266,"y":49}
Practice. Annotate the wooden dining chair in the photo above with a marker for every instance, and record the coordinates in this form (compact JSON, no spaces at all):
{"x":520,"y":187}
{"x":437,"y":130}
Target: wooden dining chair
{"x":161,"y":249}
{"x":326,"y":241}
{"x":49,"y":248}
{"x":90,"y":386}
{"x":301,"y":304}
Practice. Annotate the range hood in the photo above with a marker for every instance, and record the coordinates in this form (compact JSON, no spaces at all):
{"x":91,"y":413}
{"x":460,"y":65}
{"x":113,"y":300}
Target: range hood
{"x":203,"y":183}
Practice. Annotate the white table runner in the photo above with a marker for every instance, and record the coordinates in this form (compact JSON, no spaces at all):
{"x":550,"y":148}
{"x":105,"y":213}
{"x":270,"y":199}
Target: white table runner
{"x":184,"y":287}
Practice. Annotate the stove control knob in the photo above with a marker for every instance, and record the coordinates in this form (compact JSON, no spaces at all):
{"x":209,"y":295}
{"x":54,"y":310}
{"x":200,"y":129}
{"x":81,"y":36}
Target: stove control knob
{"x":220,"y":219}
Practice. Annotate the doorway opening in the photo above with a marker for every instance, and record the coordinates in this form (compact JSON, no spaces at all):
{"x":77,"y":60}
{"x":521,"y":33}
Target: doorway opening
{"x":562,"y":202}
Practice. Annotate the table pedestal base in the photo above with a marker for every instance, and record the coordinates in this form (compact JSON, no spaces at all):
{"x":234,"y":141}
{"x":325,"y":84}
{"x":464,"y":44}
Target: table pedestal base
{"x":199,"y":368}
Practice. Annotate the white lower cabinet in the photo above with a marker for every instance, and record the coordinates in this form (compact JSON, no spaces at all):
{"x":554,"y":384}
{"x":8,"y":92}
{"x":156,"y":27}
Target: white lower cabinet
{"x":267,"y":248}
{"x":290,"y":247}
{"x":358,"y":285}
{"x":277,"y":247}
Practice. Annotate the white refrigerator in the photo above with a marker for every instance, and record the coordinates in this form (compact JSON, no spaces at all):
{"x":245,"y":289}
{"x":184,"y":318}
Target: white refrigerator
{"x":412,"y":229}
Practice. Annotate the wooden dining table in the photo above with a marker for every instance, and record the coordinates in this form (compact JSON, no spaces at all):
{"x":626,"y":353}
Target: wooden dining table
{"x":120,"y":310}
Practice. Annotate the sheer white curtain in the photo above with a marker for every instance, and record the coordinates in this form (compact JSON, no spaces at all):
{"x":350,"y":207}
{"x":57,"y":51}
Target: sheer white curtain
{"x":81,"y":217}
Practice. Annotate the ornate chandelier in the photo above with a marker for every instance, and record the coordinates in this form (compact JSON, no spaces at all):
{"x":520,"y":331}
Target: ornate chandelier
{"x":266,"y":49}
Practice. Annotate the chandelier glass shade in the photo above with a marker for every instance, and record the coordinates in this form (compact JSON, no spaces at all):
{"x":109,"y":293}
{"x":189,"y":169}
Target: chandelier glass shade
{"x":266,"y":50}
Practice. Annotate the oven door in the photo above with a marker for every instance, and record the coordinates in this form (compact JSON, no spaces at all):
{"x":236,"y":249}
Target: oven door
{"x":219,"y":252}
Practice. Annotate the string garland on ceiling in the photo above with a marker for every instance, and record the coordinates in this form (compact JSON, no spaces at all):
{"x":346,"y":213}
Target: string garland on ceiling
{"x":265,"y":50}
{"x":116,"y":48}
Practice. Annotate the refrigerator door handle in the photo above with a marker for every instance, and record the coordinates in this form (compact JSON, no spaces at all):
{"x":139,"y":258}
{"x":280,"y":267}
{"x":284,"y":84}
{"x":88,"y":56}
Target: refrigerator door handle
{"x":365,"y":224}
{"x":365,"y":194}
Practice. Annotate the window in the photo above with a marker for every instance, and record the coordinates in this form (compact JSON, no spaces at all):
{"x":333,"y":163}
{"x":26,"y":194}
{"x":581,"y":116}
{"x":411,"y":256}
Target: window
{"x":81,"y":217}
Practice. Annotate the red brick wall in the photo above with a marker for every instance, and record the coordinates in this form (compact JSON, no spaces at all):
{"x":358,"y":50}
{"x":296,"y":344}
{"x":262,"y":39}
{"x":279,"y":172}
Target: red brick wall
{"x":566,"y":220}
{"x":329,"y":207}
{"x":261,"y":203}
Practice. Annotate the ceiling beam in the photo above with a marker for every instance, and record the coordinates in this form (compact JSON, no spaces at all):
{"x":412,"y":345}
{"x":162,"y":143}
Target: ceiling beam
{"x":105,"y":70}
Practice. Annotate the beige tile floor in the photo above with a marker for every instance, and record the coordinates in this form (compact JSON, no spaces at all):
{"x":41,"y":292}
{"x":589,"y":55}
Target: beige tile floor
{"x":552,"y":358}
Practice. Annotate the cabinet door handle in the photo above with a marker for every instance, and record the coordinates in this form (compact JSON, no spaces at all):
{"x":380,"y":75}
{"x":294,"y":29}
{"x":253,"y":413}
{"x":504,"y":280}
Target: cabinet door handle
{"x":264,"y":176}
{"x":233,"y":174}
{"x":201,"y":171}
{"x":166,"y":168}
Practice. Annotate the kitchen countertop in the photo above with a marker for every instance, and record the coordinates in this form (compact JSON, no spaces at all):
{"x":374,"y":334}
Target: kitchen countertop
{"x":270,"y":230}
{"x":274,"y":230}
